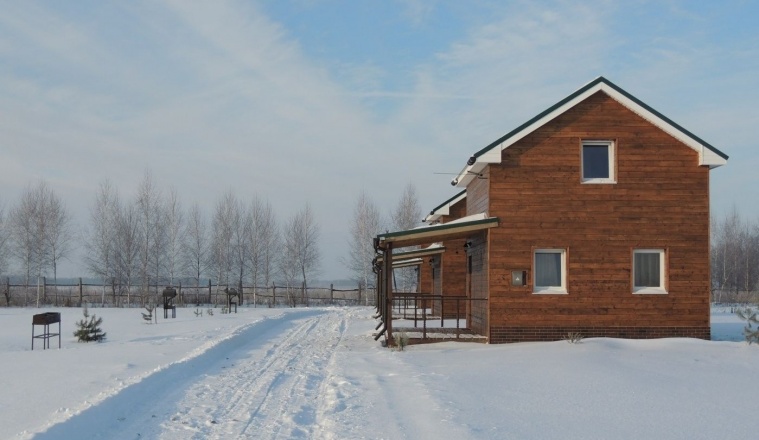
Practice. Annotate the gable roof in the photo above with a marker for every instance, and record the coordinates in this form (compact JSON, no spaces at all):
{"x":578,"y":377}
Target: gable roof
{"x":707,"y":154}
{"x":444,"y":208}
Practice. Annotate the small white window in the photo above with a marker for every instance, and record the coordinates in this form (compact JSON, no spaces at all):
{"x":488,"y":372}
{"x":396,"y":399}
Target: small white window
{"x":598,"y":162}
{"x":550,"y":271}
{"x":648,"y":271}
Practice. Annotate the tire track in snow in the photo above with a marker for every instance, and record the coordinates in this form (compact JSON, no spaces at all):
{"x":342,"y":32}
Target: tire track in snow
{"x":273,"y":394}
{"x":243,"y":387}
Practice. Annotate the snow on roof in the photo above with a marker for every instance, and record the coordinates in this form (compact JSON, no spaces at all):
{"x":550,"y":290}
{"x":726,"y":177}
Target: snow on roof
{"x":459,"y":227}
{"x":445,"y":207}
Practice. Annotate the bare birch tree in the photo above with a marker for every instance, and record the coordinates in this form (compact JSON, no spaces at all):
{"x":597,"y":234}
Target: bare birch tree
{"x":26,"y":236}
{"x":734,"y":258}
{"x":4,"y":251}
{"x":407,"y":215}
{"x":264,"y":242}
{"x":58,"y":233}
{"x":222,"y":248}
{"x":242,"y":236}
{"x":99,"y":242}
{"x":196,"y":244}
{"x":365,"y":226}
{"x":41,"y":231}
{"x":127,"y":245}
{"x":174,"y":235}
{"x":301,"y":253}
{"x":149,"y":211}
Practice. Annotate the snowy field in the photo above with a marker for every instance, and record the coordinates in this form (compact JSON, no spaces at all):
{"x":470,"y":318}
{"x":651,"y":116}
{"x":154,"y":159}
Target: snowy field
{"x":317,"y":373}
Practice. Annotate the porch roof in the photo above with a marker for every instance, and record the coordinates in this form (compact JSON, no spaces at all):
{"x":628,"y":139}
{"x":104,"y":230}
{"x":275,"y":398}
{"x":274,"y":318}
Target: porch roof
{"x":405,"y":256}
{"x":459,"y":228}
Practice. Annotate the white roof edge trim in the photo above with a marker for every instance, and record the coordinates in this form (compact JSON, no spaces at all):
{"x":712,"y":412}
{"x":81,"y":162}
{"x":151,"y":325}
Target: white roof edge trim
{"x":705,"y":155}
{"x":470,"y":172}
{"x":444,"y":210}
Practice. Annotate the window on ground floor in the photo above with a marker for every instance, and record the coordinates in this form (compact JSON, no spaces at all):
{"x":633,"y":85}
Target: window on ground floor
{"x":649,"y":271}
{"x":550,"y":271}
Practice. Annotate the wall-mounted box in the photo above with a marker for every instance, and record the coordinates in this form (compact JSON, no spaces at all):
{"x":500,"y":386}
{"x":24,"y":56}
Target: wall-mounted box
{"x":518,"y":277}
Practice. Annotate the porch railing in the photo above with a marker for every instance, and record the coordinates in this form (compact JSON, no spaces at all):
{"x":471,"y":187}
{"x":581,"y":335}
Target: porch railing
{"x":413,"y":312}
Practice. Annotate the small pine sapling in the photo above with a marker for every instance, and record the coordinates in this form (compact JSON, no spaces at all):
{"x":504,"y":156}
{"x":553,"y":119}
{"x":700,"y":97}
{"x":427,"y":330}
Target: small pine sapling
{"x":749,"y":315}
{"x":88,"y":328}
{"x":401,"y":340}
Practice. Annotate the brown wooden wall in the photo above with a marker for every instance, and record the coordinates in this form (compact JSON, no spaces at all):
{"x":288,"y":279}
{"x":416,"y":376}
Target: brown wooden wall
{"x":453,"y":268}
{"x":660,"y":200}
{"x":425,"y":279}
{"x":477,"y":279}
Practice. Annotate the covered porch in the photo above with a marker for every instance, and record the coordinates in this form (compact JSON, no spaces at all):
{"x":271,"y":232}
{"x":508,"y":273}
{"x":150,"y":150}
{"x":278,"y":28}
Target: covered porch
{"x":437,"y":314}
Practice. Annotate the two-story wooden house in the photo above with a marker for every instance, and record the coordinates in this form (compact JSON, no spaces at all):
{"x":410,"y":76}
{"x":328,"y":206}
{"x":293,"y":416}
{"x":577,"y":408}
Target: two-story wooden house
{"x":591,"y":218}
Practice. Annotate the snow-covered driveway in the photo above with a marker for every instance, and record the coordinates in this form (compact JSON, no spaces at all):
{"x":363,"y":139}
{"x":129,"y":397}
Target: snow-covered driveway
{"x":263,"y":383}
{"x":277,"y":379}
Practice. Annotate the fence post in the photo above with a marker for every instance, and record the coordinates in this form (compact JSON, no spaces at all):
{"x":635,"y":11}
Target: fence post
{"x":8,"y":291}
{"x":81,"y":292}
{"x":44,"y":290}
{"x":181,"y":298}
{"x":209,"y":291}
{"x":331,"y":294}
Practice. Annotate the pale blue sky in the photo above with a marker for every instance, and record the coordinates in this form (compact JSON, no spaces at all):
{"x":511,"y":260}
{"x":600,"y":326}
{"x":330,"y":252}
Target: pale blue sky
{"x":316,"y":100}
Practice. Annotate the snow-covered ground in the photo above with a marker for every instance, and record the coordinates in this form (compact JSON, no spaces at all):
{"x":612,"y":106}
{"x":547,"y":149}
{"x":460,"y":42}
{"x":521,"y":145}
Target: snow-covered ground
{"x":317,"y":373}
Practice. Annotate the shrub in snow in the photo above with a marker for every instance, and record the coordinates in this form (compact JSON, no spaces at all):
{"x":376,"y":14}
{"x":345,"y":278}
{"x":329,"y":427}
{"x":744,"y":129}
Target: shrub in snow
{"x":401,"y":340}
{"x":88,"y":328}
{"x":198,"y":312}
{"x":749,"y":315}
{"x":148,"y":317}
{"x":210,"y":312}
{"x":573,"y":337}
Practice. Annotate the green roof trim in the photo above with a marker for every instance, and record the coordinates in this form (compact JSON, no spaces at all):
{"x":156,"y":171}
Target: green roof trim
{"x":438,"y":228}
{"x":447,"y":202}
{"x":582,"y":90}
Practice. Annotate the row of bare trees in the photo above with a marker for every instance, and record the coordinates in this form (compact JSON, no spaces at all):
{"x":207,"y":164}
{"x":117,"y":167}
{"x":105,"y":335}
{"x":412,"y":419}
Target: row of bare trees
{"x":735,"y":259}
{"x":152,"y":239}
{"x":367,"y":222}
{"x":36,"y":232}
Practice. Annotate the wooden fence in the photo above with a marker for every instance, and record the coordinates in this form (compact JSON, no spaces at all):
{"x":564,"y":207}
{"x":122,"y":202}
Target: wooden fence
{"x":113,"y":295}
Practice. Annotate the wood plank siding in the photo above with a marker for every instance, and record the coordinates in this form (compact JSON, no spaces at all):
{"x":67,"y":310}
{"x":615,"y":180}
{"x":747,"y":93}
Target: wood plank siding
{"x":660,"y":201}
{"x":452,"y":269}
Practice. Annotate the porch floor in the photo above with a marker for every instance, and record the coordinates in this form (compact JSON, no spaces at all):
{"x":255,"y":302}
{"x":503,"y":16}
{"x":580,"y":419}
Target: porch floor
{"x":437,"y":334}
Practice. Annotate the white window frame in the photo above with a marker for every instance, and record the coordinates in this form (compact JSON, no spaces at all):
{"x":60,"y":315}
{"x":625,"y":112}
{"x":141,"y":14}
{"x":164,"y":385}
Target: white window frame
{"x":661,"y":289}
{"x":612,"y":162}
{"x":555,"y":290}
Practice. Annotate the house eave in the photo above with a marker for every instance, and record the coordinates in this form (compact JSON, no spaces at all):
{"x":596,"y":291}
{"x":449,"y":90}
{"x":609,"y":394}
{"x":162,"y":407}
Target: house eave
{"x":707,"y":154}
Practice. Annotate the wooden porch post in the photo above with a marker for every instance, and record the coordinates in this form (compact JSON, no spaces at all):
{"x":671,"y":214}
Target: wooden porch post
{"x":387,"y":271}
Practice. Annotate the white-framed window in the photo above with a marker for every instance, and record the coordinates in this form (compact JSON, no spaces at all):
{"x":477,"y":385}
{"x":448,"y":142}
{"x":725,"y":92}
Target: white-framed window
{"x":549,"y":270}
{"x":598,"y":163}
{"x":649,"y":271}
